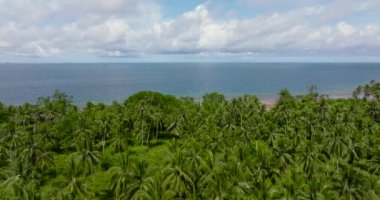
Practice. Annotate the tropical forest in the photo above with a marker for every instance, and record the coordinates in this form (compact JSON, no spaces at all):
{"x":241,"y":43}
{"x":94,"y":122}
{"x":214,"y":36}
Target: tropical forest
{"x":154,"y":146}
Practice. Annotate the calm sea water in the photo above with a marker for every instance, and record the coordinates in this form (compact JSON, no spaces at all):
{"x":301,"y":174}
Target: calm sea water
{"x":20,"y":83}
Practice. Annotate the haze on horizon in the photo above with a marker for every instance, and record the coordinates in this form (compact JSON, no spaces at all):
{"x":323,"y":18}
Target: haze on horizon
{"x":171,"y":31}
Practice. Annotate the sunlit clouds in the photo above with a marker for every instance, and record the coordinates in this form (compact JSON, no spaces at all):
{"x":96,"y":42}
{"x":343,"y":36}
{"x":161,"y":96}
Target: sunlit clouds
{"x":59,"y":30}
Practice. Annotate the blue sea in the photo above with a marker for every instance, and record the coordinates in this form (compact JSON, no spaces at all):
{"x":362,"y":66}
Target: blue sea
{"x":20,"y":83}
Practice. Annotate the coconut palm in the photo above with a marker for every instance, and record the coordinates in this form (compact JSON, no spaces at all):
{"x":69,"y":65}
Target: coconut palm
{"x":35,"y":154}
{"x":75,"y":183}
{"x":88,"y":156}
{"x":293,"y":184}
{"x":311,"y":159}
{"x":349,"y":182}
{"x":120,"y":177}
{"x":139,"y":181}
{"x":177,"y":173}
{"x":264,"y":189}
{"x":103,"y":130}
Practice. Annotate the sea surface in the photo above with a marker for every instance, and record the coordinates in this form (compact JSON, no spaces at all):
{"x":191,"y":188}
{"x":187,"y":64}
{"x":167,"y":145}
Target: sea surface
{"x":20,"y":83}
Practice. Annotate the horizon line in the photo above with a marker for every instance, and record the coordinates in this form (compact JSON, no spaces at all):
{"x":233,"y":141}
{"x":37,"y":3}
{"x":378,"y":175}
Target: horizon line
{"x":174,"y":62}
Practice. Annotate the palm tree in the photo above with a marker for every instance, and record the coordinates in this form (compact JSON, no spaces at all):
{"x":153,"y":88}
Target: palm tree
{"x":350,"y":182}
{"x":178,"y":176}
{"x":264,"y":189}
{"x":156,"y":188}
{"x":373,"y":191}
{"x":75,"y":183}
{"x":49,"y":112}
{"x":196,"y":163}
{"x":132,"y":181}
{"x":263,"y":164}
{"x":337,"y":143}
{"x":145,"y":120}
{"x":120,"y":176}
{"x":234,"y":176}
{"x":292,"y":184}
{"x":19,"y":176}
{"x":311,"y":159}
{"x":217,"y":188}
{"x":139,"y":181}
{"x":11,"y":135}
{"x":121,"y":133}
{"x":24,"y":115}
{"x":103,"y":130}
{"x":36,"y":156}
{"x":82,"y":132}
{"x":357,"y":92}
{"x":212,"y":168}
{"x":283,"y":152}
{"x":375,"y":164}
{"x":88,"y":156}
{"x":30,"y":191}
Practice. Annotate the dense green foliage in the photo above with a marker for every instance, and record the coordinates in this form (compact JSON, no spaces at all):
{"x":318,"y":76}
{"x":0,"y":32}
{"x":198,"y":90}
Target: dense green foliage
{"x":155,"y":146}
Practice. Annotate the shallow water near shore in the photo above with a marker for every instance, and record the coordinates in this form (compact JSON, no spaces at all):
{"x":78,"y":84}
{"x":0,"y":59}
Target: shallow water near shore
{"x":20,"y":83}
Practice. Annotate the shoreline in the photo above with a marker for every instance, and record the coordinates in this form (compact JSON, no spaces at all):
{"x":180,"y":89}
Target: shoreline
{"x":267,"y":100}
{"x":271,"y":101}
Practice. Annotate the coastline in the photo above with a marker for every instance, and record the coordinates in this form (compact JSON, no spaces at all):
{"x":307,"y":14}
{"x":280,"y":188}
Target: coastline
{"x":270,"y":101}
{"x":267,"y":100}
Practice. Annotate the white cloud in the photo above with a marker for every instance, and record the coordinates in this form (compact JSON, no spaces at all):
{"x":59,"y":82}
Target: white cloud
{"x":345,"y":29}
{"x":4,"y":44}
{"x":40,"y":48}
{"x":117,"y":28}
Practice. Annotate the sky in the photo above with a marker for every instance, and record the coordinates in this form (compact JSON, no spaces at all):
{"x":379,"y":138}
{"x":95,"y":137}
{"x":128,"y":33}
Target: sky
{"x":189,"y":31}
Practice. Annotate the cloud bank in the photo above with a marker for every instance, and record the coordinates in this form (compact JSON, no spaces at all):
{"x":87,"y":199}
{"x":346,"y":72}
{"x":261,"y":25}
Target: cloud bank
{"x":136,"y":28}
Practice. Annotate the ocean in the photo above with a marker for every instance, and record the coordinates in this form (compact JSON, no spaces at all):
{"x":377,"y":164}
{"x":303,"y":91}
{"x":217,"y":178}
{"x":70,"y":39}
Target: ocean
{"x":20,"y":83}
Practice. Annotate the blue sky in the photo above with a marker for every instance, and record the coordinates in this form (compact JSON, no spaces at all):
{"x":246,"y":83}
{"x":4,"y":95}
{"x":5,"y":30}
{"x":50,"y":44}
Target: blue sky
{"x":189,"y":31}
